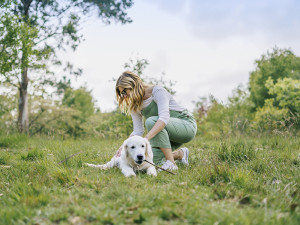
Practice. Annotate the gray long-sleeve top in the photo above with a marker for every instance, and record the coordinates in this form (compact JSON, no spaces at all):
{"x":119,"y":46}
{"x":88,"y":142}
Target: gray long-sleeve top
{"x":165,"y":102}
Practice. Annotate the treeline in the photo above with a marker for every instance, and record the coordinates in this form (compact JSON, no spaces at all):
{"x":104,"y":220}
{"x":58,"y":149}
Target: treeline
{"x":269,"y":104}
{"x":38,"y":100}
{"x":32,"y":32}
{"x":72,"y":114}
{"x":69,"y":112}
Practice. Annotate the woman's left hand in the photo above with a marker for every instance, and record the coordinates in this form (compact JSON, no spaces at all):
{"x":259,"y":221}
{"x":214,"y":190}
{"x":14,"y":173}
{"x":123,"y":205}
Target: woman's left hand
{"x":118,"y":153}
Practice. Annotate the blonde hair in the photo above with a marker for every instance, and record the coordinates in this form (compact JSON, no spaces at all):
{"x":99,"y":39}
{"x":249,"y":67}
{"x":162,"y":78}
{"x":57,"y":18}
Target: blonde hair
{"x":137,"y":92}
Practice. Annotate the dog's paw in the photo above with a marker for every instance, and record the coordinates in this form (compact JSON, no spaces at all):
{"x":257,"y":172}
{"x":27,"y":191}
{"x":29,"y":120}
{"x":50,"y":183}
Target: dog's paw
{"x":102,"y":167}
{"x":88,"y":164}
{"x":129,"y":173}
{"x":152,"y":172}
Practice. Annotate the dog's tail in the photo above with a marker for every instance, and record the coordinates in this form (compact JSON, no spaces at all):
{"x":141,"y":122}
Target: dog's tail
{"x":112,"y":163}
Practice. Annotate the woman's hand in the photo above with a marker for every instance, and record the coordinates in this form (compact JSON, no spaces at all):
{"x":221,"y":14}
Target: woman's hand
{"x":118,"y":153}
{"x":158,"y":127}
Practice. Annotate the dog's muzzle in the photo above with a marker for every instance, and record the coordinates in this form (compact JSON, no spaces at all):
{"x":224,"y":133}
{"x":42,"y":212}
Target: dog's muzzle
{"x":140,"y":159}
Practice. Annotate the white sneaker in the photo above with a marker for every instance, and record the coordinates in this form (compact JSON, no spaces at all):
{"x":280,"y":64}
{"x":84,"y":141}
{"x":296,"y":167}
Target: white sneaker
{"x":168,"y":165}
{"x":185,"y":158}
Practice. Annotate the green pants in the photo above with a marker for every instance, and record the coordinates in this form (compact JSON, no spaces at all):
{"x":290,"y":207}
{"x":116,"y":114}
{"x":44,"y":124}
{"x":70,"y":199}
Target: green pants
{"x":180,"y":129}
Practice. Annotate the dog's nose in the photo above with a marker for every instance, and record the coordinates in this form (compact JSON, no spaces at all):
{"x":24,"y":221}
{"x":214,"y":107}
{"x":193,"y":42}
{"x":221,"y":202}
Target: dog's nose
{"x":140,"y":157}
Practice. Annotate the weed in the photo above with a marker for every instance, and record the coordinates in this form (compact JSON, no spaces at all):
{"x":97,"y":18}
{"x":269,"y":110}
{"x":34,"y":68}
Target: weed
{"x":12,"y":140}
{"x":32,"y":155}
{"x":229,"y":181}
{"x":237,"y":152}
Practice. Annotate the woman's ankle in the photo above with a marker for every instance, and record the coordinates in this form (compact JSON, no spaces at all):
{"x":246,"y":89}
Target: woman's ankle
{"x":178,"y":155}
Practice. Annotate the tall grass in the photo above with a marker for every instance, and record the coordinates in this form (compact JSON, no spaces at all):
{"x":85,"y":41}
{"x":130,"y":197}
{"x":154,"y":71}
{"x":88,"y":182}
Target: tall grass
{"x":229,"y":181}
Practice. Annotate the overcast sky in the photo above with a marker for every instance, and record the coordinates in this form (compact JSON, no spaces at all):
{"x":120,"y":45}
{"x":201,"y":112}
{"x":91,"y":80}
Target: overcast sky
{"x":207,"y":47}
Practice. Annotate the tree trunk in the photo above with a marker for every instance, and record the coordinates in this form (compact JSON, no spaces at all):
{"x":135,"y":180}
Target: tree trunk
{"x":23,"y":103}
{"x":23,"y":122}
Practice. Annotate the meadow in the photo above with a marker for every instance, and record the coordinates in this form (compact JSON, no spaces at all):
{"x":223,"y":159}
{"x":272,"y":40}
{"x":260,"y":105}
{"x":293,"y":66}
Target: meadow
{"x":237,"y":180}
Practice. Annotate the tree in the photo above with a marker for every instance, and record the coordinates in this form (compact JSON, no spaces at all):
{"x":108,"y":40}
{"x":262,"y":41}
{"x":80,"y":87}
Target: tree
{"x":31,"y":32}
{"x":138,"y":66}
{"x":278,"y":64}
{"x":81,"y":100}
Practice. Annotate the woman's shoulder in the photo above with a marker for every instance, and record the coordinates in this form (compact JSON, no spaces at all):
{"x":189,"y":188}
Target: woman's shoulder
{"x":160,"y":92}
{"x":157,"y":88}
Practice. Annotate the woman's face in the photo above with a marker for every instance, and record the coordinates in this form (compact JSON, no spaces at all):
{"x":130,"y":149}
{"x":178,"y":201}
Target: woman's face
{"x":125,"y":92}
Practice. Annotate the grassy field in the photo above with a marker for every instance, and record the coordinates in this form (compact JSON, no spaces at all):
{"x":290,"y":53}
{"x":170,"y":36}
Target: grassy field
{"x":229,"y":181}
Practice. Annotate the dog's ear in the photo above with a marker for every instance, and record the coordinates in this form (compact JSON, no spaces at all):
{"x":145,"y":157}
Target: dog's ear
{"x":125,"y":148}
{"x":148,"y":152}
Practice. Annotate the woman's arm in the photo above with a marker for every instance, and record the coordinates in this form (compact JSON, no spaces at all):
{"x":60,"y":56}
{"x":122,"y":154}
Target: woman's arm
{"x":161,"y":97}
{"x":158,"y":126}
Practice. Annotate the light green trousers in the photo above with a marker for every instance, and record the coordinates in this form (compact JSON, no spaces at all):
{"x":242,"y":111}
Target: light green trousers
{"x":180,"y":129}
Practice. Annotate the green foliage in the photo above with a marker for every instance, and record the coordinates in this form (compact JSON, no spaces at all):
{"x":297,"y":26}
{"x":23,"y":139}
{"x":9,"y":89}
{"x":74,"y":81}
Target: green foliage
{"x":52,"y":118}
{"x":280,"y":63}
{"x":212,"y":123}
{"x":217,"y":119}
{"x":31,"y":32}
{"x":274,"y":94}
{"x":138,"y":66}
{"x":81,"y":100}
{"x":76,"y":117}
{"x":269,"y":117}
{"x":116,"y":124}
{"x":286,"y":93}
{"x":17,"y":48}
{"x":8,"y":104}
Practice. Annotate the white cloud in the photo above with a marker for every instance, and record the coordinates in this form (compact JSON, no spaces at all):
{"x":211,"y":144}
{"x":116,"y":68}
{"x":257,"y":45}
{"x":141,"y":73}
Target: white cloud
{"x":206,"y":46}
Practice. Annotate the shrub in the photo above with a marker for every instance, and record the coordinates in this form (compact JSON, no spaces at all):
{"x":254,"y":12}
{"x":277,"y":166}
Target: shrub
{"x":270,"y":118}
{"x":278,"y":64}
{"x":217,"y":119}
{"x":286,"y":93}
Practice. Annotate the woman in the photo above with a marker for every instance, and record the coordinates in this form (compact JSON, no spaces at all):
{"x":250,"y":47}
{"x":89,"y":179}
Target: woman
{"x":168,"y":124}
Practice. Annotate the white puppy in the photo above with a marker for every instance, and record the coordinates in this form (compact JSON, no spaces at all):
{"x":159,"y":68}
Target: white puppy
{"x":134,"y":151}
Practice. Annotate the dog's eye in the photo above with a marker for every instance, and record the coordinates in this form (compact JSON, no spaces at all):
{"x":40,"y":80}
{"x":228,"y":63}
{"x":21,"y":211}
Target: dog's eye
{"x":143,"y":146}
{"x":132,"y":147}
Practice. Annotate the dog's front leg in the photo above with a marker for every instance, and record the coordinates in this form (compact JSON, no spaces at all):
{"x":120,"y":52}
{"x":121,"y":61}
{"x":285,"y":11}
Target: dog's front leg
{"x":127,"y":170}
{"x":151,"y":171}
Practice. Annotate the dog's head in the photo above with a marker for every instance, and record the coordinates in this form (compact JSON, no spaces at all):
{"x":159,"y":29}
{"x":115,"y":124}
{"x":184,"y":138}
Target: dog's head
{"x":138,"y":149}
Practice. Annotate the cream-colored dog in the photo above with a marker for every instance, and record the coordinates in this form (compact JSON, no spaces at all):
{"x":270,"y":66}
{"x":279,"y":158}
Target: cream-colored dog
{"x":135,"y":150}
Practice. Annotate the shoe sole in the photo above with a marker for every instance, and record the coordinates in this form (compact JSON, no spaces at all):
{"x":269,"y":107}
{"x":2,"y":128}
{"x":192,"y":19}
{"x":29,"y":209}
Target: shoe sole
{"x":187,"y":157}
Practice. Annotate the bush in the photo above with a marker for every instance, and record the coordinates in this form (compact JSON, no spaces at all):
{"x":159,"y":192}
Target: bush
{"x":278,"y":64}
{"x":217,"y":119}
{"x":286,"y":94}
{"x":270,"y":118}
{"x":114,"y":124}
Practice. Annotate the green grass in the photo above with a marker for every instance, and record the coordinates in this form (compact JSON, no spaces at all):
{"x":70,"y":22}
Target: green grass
{"x":229,"y":181}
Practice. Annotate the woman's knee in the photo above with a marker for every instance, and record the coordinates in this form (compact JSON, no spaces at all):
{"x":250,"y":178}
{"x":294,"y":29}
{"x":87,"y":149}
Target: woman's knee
{"x":149,"y":123}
